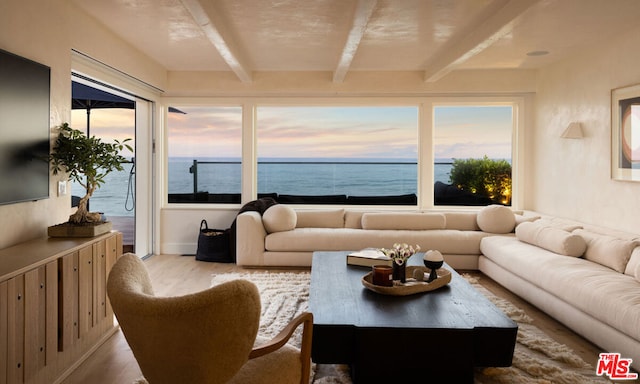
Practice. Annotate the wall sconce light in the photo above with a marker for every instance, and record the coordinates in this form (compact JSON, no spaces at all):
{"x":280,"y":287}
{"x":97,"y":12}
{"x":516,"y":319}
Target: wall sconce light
{"x":573,"y":131}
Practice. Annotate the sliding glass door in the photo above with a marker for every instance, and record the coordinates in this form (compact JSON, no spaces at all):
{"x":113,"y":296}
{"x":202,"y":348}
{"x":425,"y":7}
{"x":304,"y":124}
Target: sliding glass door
{"x":109,"y":114}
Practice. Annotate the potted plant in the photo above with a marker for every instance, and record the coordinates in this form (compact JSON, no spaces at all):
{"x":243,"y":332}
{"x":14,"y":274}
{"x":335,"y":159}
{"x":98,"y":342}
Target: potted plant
{"x":87,"y":161}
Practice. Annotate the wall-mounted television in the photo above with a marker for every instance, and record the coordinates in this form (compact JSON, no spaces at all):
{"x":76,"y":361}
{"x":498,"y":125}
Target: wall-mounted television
{"x":24,"y":129}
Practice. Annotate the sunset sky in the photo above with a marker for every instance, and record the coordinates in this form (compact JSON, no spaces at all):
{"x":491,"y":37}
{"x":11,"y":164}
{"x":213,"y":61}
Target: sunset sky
{"x":106,"y":124}
{"x":360,"y":132}
{"x":473,"y":132}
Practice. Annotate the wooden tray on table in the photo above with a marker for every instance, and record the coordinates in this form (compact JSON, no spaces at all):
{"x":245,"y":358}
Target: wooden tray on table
{"x":412,"y":286}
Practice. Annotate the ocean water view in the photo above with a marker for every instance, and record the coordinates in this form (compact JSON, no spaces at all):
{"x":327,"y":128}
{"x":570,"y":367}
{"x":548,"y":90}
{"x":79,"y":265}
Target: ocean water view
{"x":305,"y":176}
{"x":115,"y":197}
{"x":299,"y":176}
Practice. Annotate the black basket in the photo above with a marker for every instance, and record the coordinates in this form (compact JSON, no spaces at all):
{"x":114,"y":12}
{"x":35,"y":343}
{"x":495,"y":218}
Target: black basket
{"x":213,"y":244}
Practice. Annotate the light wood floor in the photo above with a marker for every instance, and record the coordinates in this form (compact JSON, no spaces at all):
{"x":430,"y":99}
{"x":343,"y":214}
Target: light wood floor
{"x":171,"y":275}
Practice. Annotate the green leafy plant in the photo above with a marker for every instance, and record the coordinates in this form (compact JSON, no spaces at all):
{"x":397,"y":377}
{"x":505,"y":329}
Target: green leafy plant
{"x":484,"y":177}
{"x":86,"y":160}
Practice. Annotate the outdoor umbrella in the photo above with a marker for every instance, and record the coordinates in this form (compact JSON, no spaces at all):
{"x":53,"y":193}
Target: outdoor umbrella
{"x":88,"y":98}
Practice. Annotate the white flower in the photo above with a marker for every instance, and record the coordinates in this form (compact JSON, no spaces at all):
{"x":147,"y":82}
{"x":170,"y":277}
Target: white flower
{"x":400,"y":252}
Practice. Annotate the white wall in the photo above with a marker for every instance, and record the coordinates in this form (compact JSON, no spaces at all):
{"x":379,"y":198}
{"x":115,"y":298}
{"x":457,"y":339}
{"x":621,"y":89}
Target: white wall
{"x":571,"y":177}
{"x":180,"y":226}
{"x":46,"y":31}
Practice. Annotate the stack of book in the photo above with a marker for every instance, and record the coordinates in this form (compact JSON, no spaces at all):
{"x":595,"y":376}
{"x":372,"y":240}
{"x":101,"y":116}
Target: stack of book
{"x":368,"y":257}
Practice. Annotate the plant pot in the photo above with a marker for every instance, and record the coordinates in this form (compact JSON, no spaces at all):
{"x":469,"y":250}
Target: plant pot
{"x":79,"y":230}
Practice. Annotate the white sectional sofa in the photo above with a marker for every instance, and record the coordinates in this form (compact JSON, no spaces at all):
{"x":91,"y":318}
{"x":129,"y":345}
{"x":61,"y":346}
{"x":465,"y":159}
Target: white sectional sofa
{"x":585,"y":276}
{"x":285,"y":237}
{"x":594,"y":289}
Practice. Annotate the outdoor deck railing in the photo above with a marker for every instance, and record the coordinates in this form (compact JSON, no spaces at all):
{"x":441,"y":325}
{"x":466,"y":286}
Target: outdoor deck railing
{"x":196,"y":163}
{"x":200,"y":195}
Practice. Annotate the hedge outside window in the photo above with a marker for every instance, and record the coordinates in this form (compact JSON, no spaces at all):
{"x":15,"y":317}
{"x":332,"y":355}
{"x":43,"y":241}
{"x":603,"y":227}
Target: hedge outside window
{"x":473,"y":150}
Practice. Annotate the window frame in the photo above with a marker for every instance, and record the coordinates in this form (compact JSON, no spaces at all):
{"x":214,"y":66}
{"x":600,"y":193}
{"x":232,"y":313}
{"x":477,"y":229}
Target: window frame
{"x":371,"y":103}
{"x":163,"y":150}
{"x":425,"y":136}
{"x":517,"y":147}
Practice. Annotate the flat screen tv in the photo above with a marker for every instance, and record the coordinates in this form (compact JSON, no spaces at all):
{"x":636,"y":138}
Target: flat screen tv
{"x":24,"y":129}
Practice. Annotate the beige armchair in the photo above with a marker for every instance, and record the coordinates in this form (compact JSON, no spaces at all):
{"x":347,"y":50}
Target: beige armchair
{"x":205,"y":337}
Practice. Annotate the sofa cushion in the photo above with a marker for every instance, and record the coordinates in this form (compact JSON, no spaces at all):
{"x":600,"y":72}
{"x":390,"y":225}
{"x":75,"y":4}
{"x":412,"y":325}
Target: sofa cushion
{"x":400,"y":221}
{"x":462,"y":221}
{"x":324,"y":218}
{"x":278,"y":218}
{"x":346,"y":239}
{"x":607,"y":250}
{"x":552,"y":239}
{"x":524,"y":219}
{"x":638,"y":272}
{"x":556,"y":222}
{"x":496,"y":219}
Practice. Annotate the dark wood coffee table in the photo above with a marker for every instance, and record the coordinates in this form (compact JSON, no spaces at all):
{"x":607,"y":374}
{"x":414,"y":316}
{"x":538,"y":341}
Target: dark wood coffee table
{"x":437,"y":336}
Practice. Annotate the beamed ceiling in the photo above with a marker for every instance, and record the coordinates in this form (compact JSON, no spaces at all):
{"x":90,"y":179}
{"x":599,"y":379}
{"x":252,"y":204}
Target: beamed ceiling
{"x":342,"y":36}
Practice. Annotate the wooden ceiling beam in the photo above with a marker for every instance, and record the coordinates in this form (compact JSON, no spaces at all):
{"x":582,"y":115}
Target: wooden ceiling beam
{"x":364,"y":10}
{"x":218,"y":32}
{"x":484,"y":33}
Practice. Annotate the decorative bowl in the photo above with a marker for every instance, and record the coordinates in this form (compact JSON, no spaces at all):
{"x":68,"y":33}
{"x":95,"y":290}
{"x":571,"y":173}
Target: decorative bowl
{"x":412,"y":286}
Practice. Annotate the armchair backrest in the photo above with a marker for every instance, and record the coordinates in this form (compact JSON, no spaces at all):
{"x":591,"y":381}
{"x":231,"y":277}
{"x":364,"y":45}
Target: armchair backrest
{"x":205,"y":337}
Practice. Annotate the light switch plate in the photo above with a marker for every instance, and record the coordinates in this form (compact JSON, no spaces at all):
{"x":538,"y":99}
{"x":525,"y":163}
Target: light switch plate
{"x":62,"y":188}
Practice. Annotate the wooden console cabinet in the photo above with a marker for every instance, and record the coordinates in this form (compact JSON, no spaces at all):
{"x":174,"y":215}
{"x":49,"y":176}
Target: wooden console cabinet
{"x":53,"y":305}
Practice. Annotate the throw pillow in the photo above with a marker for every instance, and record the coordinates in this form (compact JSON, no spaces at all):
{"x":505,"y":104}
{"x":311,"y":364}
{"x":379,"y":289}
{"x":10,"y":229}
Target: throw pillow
{"x":607,"y":250}
{"x":496,"y":219}
{"x":279,"y":218}
{"x":552,"y":239}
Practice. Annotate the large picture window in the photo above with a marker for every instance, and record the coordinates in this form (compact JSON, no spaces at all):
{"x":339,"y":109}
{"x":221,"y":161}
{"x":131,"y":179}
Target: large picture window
{"x":473,"y":154}
{"x":204,"y":154}
{"x":347,"y":154}
{"x":338,"y":154}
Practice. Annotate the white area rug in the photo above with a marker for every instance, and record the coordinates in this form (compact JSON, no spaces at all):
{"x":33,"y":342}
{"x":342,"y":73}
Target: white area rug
{"x":538,"y":359}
